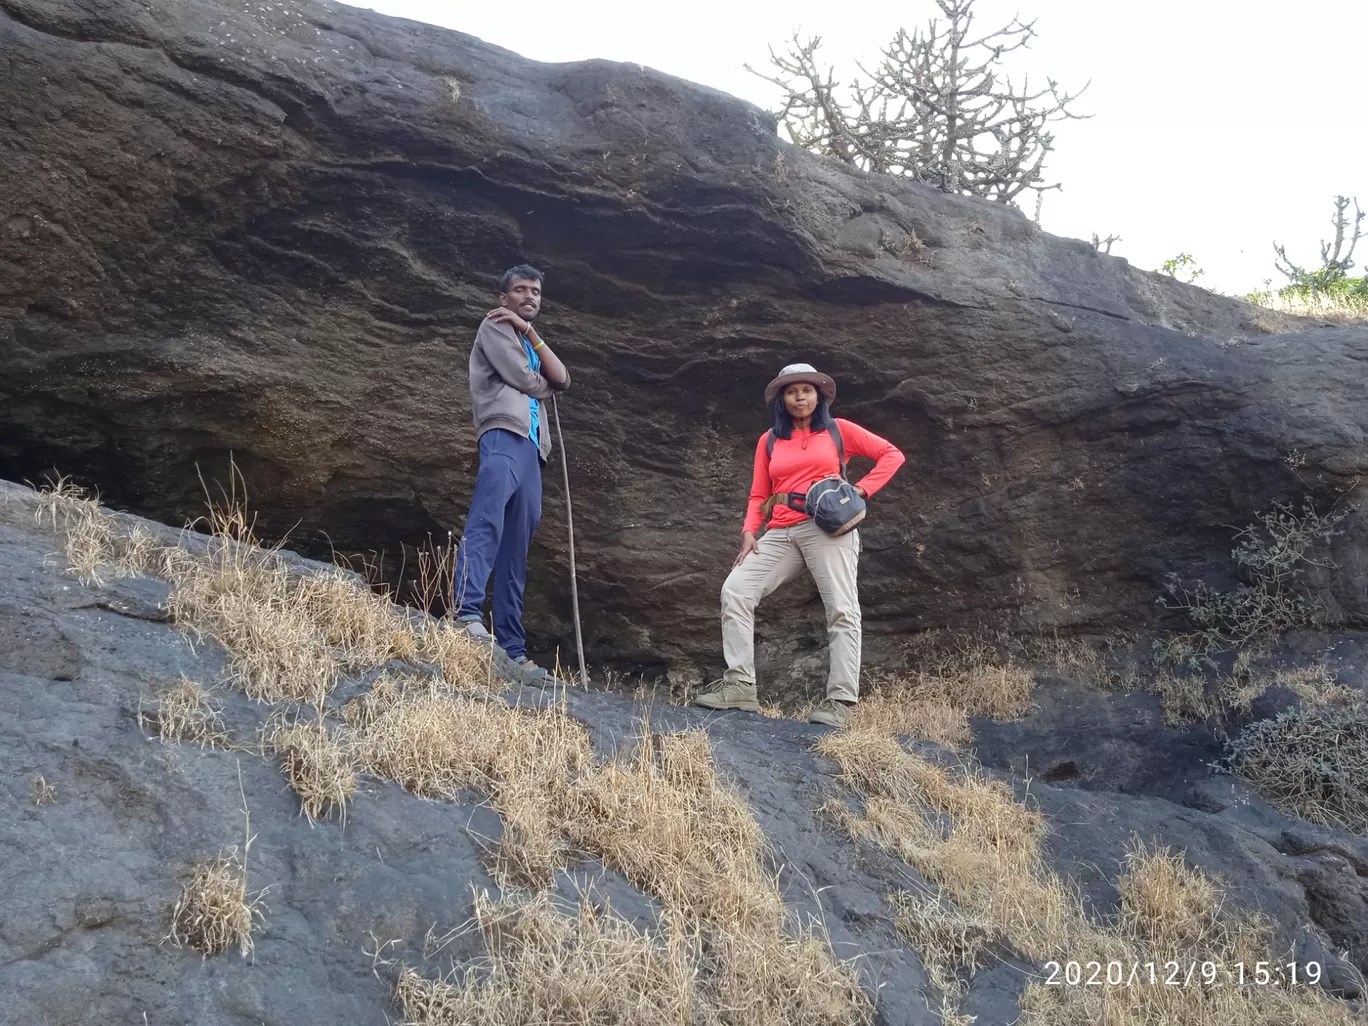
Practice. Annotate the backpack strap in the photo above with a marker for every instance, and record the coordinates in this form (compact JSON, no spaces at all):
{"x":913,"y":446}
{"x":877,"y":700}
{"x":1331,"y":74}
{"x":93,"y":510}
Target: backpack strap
{"x":768,"y":508}
{"x":834,"y":431}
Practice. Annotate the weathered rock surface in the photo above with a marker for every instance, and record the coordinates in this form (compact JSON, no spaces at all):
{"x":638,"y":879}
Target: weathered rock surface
{"x":86,"y":882}
{"x":268,"y":231}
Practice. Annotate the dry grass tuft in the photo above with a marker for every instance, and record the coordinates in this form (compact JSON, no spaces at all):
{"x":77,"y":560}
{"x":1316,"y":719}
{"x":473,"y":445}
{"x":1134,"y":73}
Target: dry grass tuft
{"x":85,"y":530}
{"x":1089,"y":661}
{"x":894,"y":712}
{"x":1166,"y":902}
{"x":1323,"y":309}
{"x":265,"y":617}
{"x":982,"y":850}
{"x":594,"y":968}
{"x":462,"y":662}
{"x":40,"y":791}
{"x":783,"y":978}
{"x":386,"y":690}
{"x":960,"y":831}
{"x":434,"y":742}
{"x":290,"y":634}
{"x":1188,"y":696}
{"x":967,"y":677}
{"x":137,"y":553}
{"x":319,"y":767}
{"x":1182,"y":696}
{"x":186,"y":712}
{"x":661,"y":819}
{"x":543,"y":966}
{"x":951,"y":944}
{"x":1171,"y":913}
{"x":214,"y":912}
{"x":658,"y":814}
{"x":1192,"y":688}
{"x":1315,"y":685}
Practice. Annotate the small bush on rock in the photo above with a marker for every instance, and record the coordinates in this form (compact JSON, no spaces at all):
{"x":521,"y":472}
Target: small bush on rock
{"x":1330,"y":291}
{"x":1311,"y":762}
{"x":1273,"y":554}
{"x":320,"y":768}
{"x":41,"y":791}
{"x":186,"y":712}
{"x":214,"y":911}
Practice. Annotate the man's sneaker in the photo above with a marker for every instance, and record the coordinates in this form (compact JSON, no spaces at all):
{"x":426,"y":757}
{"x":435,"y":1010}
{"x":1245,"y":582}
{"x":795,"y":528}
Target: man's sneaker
{"x":832,"y":713}
{"x":476,"y":630}
{"x":532,"y":673}
{"x":728,"y":694}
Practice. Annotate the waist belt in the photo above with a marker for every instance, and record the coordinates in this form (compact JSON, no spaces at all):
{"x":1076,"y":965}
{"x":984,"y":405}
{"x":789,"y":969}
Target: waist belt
{"x":793,"y":500}
{"x":832,"y":503}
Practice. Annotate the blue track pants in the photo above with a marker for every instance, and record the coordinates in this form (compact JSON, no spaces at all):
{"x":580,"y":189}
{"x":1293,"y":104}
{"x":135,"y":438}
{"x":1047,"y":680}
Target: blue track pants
{"x":504,"y":513}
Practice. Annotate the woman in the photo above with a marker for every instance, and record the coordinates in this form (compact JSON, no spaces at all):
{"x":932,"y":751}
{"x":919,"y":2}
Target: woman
{"x":802,"y":453}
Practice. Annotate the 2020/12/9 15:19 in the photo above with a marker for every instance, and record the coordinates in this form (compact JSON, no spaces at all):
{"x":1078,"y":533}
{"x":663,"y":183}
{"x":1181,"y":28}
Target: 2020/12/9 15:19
{"x":1182,"y":974}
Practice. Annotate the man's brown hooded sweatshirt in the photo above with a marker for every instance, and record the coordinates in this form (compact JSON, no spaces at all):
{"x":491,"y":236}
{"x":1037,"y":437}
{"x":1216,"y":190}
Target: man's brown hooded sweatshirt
{"x":501,"y":380}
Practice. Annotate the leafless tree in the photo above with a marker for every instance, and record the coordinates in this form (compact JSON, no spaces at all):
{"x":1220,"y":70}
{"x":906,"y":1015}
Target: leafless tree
{"x":1336,"y":261}
{"x":936,"y":108}
{"x":1104,"y":245}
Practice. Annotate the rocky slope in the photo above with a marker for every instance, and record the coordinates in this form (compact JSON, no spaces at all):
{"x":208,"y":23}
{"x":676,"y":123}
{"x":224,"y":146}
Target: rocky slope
{"x":268,"y":230}
{"x":88,"y":876}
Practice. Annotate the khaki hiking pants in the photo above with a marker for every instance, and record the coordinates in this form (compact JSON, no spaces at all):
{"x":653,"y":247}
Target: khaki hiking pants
{"x":781,"y":556}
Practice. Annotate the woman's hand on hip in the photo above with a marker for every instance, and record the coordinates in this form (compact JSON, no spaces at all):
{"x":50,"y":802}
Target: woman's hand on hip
{"x":748,"y":545}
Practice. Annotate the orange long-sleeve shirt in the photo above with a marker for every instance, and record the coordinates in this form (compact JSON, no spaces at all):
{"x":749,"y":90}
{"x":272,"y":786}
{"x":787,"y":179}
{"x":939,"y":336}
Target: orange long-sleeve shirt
{"x":806,"y":458}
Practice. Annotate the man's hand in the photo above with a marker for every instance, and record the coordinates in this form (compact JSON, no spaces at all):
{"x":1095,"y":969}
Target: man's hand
{"x":503,"y":315}
{"x":748,"y":545}
{"x":861,"y":492}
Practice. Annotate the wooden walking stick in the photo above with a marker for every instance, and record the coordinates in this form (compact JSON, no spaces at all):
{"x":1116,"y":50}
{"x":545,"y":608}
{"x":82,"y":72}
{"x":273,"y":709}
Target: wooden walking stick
{"x":570,"y":524}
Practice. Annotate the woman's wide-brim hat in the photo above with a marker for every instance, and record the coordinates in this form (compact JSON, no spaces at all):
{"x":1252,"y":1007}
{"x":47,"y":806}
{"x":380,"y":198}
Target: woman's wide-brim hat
{"x":801,"y":372}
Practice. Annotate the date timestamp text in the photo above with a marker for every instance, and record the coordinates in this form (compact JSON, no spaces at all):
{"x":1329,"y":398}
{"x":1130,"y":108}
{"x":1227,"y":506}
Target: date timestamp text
{"x":1182,"y":974}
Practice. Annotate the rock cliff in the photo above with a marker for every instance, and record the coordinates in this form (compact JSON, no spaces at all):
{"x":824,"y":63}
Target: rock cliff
{"x":267,"y":231}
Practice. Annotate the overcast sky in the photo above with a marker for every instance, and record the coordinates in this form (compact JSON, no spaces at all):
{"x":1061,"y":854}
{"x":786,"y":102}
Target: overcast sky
{"x":1218,"y":125}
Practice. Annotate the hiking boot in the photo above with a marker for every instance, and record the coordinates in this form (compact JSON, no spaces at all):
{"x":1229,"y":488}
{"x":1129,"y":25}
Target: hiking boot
{"x":728,"y":694}
{"x":531,"y":673}
{"x":476,"y":630}
{"x":832,"y":713}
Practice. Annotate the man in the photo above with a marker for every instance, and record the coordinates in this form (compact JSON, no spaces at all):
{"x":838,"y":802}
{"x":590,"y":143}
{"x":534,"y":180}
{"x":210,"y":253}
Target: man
{"x":512,"y":372}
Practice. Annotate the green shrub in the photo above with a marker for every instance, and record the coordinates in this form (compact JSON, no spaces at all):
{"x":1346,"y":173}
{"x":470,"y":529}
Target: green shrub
{"x":1330,"y":289}
{"x":1183,"y":267}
